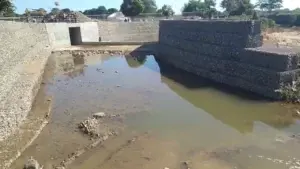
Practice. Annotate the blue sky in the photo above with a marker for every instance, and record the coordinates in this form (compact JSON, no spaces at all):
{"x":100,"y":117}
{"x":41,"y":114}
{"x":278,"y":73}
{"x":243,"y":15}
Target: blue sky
{"x":87,"y":4}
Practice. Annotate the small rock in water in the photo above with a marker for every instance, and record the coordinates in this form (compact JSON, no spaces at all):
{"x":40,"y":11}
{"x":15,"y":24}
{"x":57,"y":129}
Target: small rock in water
{"x":59,"y":167}
{"x":116,"y":71}
{"x":32,"y":164}
{"x":99,"y":115}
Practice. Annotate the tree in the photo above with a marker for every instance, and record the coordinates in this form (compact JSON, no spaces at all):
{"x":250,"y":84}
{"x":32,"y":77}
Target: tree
{"x":195,"y":6}
{"x":6,"y":7}
{"x":200,"y":8}
{"x":132,"y":7}
{"x":166,"y":10}
{"x":55,"y":11}
{"x":270,"y":5}
{"x":237,"y":7}
{"x":111,"y":10}
{"x":96,"y":11}
{"x":66,"y":10}
{"x":149,"y":6}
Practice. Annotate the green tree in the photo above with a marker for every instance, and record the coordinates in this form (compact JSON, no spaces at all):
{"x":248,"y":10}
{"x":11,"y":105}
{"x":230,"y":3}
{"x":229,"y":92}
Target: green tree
{"x":6,"y":7}
{"x":149,"y":6}
{"x":132,"y":8}
{"x":55,"y":11}
{"x":96,"y":11}
{"x":237,"y":7}
{"x":270,"y":5}
{"x":111,"y":10}
{"x":204,"y":8}
{"x":66,"y":10}
{"x":166,"y":10}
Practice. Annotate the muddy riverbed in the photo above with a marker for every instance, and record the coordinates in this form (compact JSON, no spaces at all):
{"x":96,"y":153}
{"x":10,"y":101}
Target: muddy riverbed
{"x":158,"y":117}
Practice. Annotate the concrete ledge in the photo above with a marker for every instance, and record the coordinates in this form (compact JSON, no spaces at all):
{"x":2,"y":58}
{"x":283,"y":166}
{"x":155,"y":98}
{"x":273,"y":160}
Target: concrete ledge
{"x":225,"y":79}
{"x":246,"y":72}
{"x":215,"y":38}
{"x":271,"y":57}
{"x":214,"y":26}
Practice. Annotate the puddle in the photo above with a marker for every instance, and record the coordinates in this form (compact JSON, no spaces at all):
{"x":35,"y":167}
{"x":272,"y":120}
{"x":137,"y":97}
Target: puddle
{"x":173,"y":119}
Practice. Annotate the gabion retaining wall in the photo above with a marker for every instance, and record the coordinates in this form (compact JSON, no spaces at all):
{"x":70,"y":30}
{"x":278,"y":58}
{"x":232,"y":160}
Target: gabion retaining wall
{"x":229,"y":52}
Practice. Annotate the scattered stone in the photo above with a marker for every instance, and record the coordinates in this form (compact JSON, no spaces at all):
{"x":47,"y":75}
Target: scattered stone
{"x":296,"y":113}
{"x":60,"y":168}
{"x":32,"y":164}
{"x":185,"y":165}
{"x":90,"y":127}
{"x":99,"y":115}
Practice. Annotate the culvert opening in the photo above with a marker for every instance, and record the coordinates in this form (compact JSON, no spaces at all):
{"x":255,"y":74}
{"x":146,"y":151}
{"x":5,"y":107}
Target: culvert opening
{"x":75,"y":35}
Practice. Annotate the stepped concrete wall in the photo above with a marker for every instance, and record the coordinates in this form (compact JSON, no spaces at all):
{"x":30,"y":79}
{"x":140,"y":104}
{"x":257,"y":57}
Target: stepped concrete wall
{"x":25,"y":49}
{"x":229,"y":52}
{"x":24,"y":52}
{"x":59,"y":33}
{"x":128,"y":31}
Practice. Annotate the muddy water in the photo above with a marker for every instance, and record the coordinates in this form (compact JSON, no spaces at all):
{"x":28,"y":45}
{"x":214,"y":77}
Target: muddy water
{"x":169,"y":116}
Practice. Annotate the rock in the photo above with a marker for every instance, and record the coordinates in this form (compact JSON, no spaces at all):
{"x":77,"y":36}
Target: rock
{"x":90,"y":127}
{"x":116,"y":71}
{"x":59,"y":167}
{"x":99,"y":115}
{"x":296,"y":113}
{"x":32,"y":164}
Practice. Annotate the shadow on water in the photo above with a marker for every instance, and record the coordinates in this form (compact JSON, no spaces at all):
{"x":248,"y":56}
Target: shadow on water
{"x":234,"y":107}
{"x":192,"y":81}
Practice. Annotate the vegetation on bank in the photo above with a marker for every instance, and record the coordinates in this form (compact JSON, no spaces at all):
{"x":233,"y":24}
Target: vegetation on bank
{"x":290,"y":92}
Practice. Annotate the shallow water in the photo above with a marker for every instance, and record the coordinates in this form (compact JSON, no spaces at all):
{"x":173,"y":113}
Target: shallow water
{"x":187,"y":118}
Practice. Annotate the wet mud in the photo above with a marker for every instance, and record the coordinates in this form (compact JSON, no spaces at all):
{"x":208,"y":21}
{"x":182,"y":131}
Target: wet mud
{"x":156,"y":117}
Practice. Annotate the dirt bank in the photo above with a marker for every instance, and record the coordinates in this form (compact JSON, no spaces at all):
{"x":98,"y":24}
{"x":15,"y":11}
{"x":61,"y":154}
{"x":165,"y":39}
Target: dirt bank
{"x":283,"y":37}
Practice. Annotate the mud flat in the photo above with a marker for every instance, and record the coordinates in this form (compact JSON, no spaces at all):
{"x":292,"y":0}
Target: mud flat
{"x":162,"y":116}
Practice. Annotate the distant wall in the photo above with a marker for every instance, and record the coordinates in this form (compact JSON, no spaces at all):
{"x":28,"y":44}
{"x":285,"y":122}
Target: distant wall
{"x":128,"y":31}
{"x":59,"y":33}
{"x":24,"y":52}
{"x":228,"y":52}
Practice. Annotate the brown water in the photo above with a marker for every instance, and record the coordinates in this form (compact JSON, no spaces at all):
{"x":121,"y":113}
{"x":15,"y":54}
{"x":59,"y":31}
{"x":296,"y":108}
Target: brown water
{"x":186,"y":118}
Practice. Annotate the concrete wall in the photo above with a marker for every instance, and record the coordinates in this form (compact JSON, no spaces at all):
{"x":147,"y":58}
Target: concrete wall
{"x":228,"y":52}
{"x":128,"y":31}
{"x":24,"y":52}
{"x":59,"y":33}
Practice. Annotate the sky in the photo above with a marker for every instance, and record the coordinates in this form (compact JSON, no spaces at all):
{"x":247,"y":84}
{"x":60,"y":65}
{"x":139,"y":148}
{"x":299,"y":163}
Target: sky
{"x":88,"y":4}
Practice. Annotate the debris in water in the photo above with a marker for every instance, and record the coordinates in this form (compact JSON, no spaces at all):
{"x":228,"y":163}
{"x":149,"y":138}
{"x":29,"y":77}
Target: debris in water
{"x":90,"y":127}
{"x":185,"y":165}
{"x":99,"y":115}
{"x":32,"y":164}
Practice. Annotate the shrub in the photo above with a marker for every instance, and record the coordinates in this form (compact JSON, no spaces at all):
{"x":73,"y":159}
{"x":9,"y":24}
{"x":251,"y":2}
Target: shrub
{"x":290,"y":92}
{"x":284,"y":19}
{"x":267,"y":23}
{"x":297,"y":22}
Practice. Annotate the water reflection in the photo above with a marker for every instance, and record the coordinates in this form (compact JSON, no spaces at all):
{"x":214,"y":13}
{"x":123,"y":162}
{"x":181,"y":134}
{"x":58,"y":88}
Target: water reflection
{"x":236,"y":108}
{"x":71,"y":65}
{"x":136,"y":59}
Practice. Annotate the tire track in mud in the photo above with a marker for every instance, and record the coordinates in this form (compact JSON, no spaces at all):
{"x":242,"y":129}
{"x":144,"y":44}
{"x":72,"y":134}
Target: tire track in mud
{"x":90,"y":148}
